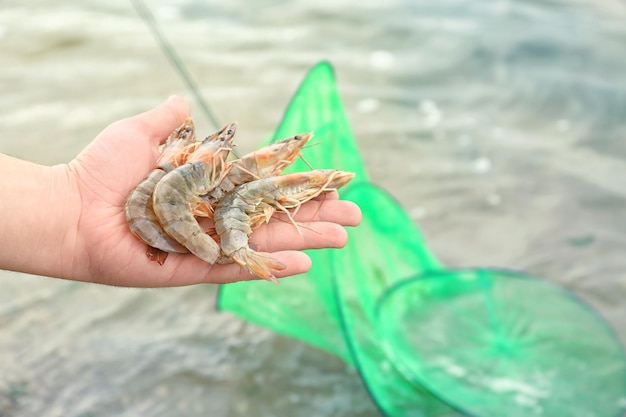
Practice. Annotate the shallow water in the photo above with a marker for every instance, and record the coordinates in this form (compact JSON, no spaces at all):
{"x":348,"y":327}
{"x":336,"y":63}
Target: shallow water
{"x":499,"y":126}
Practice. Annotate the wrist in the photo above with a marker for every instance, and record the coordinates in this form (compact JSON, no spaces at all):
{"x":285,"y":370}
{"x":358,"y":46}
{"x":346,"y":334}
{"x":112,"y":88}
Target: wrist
{"x":61,"y":242}
{"x":39,"y":209}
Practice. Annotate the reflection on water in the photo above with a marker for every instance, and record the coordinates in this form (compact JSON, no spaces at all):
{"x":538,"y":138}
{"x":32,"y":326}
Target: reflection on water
{"x":498,"y":125}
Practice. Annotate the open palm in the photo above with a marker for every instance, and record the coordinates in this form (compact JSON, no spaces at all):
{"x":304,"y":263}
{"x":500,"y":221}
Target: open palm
{"x":107,"y":252}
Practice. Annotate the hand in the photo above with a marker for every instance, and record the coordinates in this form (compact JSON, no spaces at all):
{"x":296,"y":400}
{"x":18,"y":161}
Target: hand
{"x":101,"y":178}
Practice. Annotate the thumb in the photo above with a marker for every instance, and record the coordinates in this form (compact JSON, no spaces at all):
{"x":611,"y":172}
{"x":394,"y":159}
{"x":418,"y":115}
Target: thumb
{"x":162,"y":120}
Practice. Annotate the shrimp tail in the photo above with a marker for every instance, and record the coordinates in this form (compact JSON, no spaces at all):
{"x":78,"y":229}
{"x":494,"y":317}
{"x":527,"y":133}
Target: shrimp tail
{"x":257,"y":263}
{"x":156,"y":255}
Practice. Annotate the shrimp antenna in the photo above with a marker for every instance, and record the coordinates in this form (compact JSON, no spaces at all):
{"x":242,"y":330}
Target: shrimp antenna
{"x":303,"y":158}
{"x":299,"y":226}
{"x":305,"y":161}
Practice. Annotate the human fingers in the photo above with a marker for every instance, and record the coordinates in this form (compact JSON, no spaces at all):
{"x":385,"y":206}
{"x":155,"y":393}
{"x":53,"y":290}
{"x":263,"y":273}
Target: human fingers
{"x":158,"y":123}
{"x":279,"y":236}
{"x":131,"y":145}
{"x":181,"y":270}
{"x":332,"y":195}
{"x":343,"y":212}
{"x":295,"y":263}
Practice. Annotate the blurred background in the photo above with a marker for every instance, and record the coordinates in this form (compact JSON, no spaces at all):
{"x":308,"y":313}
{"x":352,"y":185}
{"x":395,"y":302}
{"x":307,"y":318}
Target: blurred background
{"x":499,"y":126}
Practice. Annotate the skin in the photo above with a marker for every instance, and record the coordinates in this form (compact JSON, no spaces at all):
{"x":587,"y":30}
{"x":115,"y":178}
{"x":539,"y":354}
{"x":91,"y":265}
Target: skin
{"x":67,"y":221}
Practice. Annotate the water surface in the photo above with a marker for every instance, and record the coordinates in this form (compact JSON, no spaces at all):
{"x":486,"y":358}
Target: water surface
{"x":499,"y":126}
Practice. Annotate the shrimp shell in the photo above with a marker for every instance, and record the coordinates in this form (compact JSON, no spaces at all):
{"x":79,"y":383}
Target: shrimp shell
{"x":266,"y":162}
{"x":140,"y":216}
{"x":239,"y":211}
{"x":178,"y":193}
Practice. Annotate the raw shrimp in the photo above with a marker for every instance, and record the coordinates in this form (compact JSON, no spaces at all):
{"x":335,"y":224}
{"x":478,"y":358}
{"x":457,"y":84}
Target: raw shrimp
{"x":140,"y":216}
{"x":240,"y":210}
{"x":266,"y":162}
{"x":179,"y":191}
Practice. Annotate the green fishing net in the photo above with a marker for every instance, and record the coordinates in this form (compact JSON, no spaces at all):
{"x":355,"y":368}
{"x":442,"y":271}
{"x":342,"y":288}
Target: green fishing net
{"x":430,"y":342}
{"x":306,"y":308}
{"x":499,"y":343}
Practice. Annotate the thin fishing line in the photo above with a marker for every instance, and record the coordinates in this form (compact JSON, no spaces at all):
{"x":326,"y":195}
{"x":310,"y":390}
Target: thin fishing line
{"x":144,"y":12}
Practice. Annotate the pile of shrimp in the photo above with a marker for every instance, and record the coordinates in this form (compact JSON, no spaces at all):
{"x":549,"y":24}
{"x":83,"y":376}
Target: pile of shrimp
{"x":194,"y":179}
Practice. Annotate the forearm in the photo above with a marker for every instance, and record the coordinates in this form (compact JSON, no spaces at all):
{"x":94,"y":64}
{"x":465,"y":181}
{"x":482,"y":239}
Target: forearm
{"x":39,"y":215}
